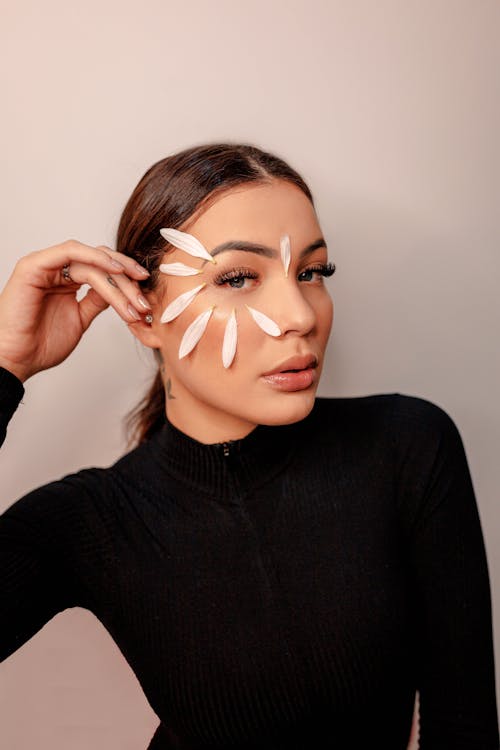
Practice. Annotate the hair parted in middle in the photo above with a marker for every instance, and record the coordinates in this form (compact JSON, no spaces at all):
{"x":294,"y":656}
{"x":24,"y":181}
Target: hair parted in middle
{"x":172,"y":191}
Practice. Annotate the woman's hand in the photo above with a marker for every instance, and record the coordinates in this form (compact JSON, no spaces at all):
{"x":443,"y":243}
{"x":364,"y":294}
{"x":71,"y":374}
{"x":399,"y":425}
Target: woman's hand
{"x":41,"y":321}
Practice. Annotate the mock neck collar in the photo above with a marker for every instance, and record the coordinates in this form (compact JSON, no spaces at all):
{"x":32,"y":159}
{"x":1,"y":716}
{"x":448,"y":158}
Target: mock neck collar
{"x":230,"y":468}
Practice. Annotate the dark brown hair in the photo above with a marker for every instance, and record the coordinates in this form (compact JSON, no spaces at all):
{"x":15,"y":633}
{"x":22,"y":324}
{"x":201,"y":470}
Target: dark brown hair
{"x":169,"y":193}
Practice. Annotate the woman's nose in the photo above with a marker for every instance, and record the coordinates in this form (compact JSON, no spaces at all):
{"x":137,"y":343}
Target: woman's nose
{"x":292,"y":311}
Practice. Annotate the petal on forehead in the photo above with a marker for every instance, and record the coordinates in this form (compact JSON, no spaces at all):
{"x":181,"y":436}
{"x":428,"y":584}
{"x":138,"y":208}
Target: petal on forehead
{"x":186,"y":242}
{"x":285,"y":252}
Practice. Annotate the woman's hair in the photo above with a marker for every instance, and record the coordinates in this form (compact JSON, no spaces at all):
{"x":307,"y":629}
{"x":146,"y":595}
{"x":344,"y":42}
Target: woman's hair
{"x":169,"y":193}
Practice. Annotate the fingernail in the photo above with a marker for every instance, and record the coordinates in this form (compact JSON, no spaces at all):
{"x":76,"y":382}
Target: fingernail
{"x":116,"y":263}
{"x":133,"y":312}
{"x":142,"y":270}
{"x":143,"y":302}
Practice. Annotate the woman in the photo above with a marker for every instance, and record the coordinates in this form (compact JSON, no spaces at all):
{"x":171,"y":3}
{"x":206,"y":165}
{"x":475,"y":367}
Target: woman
{"x":279,"y":570}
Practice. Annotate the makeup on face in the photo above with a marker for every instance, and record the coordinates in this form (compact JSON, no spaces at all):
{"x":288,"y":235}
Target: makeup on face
{"x":191,"y":245}
{"x":269,"y":258}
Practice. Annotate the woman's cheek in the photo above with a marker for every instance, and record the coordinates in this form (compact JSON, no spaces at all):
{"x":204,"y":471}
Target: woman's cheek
{"x":324,"y":308}
{"x":207,"y":353}
{"x":247,"y":336}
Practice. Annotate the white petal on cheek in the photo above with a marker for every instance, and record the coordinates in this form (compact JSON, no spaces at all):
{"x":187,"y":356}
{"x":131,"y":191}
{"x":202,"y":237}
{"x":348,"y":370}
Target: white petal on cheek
{"x":194,"y":332}
{"x":285,"y":252}
{"x":230,"y":339}
{"x":179,"y":269}
{"x":264,"y":322}
{"x":179,"y":304}
{"x":186,"y":242}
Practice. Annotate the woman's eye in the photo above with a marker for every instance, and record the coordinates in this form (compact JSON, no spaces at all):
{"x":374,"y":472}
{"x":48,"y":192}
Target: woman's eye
{"x":324,"y":269}
{"x":308,"y":274}
{"x":235,"y":279}
{"x":236,"y":282}
{"x":242,"y":279}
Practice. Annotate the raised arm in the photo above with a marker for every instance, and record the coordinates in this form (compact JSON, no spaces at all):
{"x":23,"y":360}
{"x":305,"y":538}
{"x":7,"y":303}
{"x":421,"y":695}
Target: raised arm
{"x":41,"y":319}
{"x":41,"y":322}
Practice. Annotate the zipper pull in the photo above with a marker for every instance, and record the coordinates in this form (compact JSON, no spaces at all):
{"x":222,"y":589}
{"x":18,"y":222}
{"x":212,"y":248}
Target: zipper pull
{"x":225,"y":448}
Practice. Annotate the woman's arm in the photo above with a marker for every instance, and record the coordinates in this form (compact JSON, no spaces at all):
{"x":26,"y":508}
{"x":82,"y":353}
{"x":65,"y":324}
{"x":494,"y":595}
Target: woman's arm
{"x":452,"y":593}
{"x":35,"y":582}
{"x":41,"y":322}
{"x":41,"y":319}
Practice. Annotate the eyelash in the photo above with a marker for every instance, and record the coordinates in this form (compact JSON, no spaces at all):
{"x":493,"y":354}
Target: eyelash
{"x":324,"y":269}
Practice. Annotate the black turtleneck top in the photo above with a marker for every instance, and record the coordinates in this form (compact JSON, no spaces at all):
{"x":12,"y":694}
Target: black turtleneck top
{"x":292,"y":589}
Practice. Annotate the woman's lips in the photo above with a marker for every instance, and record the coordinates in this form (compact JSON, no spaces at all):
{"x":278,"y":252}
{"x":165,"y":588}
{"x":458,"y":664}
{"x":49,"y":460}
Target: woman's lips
{"x":297,"y":362}
{"x":292,"y":381}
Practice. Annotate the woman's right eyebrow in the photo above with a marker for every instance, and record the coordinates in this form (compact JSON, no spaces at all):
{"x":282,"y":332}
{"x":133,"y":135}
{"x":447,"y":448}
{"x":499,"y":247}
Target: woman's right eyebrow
{"x":268,"y":252}
{"x":249,"y":247}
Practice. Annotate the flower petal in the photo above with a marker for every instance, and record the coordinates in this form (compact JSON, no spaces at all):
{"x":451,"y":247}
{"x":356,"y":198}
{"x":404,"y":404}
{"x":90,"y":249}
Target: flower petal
{"x":179,"y":269}
{"x":285,"y":252}
{"x":230,"y":338}
{"x":194,"y":332}
{"x":267,"y":325}
{"x":179,"y":304}
{"x":186,"y":242}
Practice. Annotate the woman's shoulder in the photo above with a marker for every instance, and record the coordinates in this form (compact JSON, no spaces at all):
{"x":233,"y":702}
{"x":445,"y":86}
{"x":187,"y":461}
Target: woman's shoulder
{"x":397,"y":415}
{"x":402,"y":405}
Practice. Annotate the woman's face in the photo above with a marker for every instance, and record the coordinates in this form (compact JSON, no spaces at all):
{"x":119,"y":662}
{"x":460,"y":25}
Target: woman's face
{"x":206,"y":400}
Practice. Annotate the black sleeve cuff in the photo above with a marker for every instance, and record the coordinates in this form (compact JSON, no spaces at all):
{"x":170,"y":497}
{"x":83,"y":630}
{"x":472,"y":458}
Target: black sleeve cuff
{"x":11,"y":393}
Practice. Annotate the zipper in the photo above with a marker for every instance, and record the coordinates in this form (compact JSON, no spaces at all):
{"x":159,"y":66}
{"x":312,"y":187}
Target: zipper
{"x":226,"y":449}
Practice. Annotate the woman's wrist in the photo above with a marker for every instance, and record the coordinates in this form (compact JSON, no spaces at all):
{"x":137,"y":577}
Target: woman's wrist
{"x":11,"y":388}
{"x":16,"y":369}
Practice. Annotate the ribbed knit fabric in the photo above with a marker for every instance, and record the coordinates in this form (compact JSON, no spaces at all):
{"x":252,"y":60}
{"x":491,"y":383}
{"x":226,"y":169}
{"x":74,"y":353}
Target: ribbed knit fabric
{"x":292,"y":589}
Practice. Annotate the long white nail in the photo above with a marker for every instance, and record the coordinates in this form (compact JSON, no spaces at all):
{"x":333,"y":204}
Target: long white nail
{"x":133,"y":312}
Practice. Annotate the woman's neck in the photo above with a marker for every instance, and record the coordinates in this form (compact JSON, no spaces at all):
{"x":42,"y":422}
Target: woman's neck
{"x":205,"y":423}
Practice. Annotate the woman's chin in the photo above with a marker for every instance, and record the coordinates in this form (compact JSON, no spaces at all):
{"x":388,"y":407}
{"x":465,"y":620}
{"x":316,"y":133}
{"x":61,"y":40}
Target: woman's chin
{"x":288,"y":408}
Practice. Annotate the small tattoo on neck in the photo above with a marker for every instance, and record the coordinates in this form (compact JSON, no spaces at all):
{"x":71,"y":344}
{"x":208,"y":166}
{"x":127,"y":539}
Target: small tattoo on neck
{"x":167,"y":389}
{"x":161,"y":362}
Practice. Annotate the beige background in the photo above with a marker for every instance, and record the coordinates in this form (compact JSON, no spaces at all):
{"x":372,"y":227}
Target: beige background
{"x":391,"y":111}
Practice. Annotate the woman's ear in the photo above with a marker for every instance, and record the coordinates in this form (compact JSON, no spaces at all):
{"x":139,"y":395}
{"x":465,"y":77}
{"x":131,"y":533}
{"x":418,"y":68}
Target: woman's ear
{"x":146,"y":332}
{"x":146,"y":329}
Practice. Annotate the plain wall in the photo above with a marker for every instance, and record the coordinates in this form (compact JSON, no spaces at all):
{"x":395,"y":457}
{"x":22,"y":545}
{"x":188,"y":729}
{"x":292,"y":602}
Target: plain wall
{"x":389,"y":109}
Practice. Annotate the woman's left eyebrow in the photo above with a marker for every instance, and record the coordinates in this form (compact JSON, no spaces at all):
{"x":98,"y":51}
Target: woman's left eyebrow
{"x":268,"y":252}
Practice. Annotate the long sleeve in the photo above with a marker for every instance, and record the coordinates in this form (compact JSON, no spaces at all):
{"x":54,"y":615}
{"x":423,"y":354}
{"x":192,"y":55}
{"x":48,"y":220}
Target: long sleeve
{"x":11,"y":393}
{"x":33,"y":579}
{"x":452,"y":594}
{"x":308,"y":578}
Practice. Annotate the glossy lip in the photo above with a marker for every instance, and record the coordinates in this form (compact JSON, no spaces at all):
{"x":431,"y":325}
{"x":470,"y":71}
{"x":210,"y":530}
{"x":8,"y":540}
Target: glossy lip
{"x":292,"y":381}
{"x":300,"y":362}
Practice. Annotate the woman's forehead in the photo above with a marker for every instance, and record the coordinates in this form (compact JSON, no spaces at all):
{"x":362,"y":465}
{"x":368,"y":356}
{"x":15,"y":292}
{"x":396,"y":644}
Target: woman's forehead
{"x":259,"y":213}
